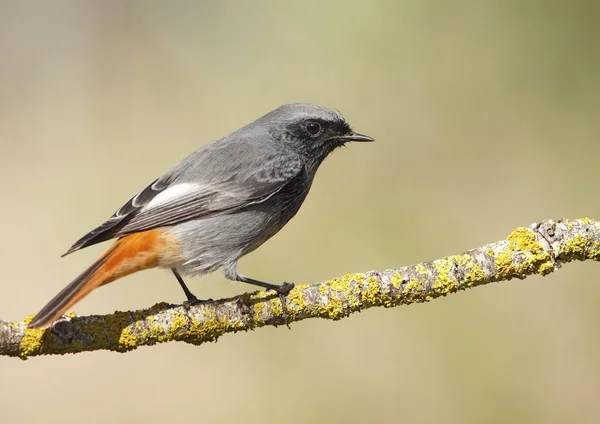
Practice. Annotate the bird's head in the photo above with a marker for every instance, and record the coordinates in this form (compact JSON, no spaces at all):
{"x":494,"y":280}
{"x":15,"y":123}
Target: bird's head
{"x":311,"y":130}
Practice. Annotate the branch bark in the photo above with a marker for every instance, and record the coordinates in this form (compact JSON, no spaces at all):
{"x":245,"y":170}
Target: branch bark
{"x":538,"y":249}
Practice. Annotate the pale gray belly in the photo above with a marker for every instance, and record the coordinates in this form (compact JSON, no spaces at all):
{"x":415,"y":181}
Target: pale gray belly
{"x":210,"y":243}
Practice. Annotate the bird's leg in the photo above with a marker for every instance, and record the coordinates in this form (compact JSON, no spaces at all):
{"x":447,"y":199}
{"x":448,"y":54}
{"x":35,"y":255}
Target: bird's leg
{"x":191,"y":299}
{"x":282,"y":290}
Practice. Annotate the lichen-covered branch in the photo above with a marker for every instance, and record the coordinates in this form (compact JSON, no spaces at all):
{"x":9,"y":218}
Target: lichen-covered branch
{"x":539,"y":249}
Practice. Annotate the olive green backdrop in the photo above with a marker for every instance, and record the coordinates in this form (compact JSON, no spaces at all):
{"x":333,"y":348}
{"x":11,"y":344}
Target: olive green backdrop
{"x":486,"y":118}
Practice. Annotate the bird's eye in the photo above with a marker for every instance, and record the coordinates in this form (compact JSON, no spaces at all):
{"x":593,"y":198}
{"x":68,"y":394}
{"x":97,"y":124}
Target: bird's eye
{"x":313,"y":129}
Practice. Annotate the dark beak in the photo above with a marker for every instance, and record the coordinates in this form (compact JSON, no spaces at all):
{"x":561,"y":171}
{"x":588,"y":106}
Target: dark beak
{"x":356,"y":137}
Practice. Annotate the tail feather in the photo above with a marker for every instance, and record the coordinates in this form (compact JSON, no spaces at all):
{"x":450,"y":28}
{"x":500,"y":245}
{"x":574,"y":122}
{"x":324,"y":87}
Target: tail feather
{"x":69,"y":295}
{"x":129,"y":254}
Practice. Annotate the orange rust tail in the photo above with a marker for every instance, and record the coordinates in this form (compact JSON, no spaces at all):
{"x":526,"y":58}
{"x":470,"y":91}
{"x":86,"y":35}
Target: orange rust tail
{"x":129,"y":254}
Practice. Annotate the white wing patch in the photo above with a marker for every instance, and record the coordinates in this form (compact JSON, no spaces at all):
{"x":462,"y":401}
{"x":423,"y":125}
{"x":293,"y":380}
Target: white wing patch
{"x":171,"y":193}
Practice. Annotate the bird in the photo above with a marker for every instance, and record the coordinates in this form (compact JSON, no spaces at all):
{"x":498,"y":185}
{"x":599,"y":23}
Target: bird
{"x":218,"y":204}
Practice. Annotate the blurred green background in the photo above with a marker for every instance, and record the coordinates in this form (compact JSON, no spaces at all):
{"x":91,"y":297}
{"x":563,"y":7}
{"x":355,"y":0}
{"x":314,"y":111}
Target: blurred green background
{"x":486,"y":119}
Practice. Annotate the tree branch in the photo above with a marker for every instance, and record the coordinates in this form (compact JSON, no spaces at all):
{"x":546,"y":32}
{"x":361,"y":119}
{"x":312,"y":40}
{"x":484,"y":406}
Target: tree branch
{"x":539,"y":249}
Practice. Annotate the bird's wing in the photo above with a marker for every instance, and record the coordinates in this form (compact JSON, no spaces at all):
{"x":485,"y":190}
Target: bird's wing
{"x":213,"y":180}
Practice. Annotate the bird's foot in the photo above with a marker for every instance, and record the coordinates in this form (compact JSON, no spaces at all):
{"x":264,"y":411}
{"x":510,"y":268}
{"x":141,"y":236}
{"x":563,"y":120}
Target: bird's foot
{"x":283,"y":290}
{"x":193,"y":301}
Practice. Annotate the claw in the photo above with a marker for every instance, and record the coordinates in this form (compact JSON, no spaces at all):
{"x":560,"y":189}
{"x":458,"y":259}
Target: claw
{"x":283,"y":290}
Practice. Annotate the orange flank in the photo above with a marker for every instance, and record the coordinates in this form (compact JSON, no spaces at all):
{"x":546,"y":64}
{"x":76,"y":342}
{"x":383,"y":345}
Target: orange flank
{"x":132,"y":253}
{"x":127,"y":255}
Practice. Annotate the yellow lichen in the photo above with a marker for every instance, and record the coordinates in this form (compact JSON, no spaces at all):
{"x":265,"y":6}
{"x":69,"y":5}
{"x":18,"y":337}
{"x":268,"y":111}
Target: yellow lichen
{"x":346,"y":288}
{"x":275,"y":307}
{"x":397,"y":280}
{"x":504,"y":264}
{"x":579,"y":247}
{"x":413,"y":292}
{"x":296,"y":298}
{"x":334,"y":308}
{"x":32,"y":341}
{"x":475,"y":274}
{"x":420,"y":268}
{"x":576,"y":246}
{"x":258,"y":311}
{"x":210,"y":330}
{"x":349,"y":287}
{"x":372,"y":294}
{"x":178,"y":322}
{"x":524,"y":239}
{"x":444,"y":282}
{"x":28,"y":319}
{"x":128,"y":340}
{"x":594,"y":251}
{"x":546,"y":268}
{"x":522,"y":255}
{"x":343,"y":283}
{"x":154,"y":329}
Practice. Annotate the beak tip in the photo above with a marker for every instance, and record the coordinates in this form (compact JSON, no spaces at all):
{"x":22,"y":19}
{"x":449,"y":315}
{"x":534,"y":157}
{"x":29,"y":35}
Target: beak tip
{"x":360,"y":137}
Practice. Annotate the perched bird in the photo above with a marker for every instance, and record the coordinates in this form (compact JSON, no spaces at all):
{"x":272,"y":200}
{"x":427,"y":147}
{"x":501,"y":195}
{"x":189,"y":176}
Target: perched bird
{"x":217,"y":205}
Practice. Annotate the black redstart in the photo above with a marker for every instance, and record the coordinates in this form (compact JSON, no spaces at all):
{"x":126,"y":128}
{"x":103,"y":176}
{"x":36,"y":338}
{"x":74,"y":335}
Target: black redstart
{"x":218,"y":204}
